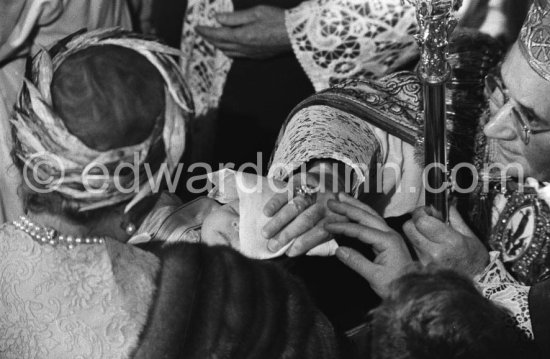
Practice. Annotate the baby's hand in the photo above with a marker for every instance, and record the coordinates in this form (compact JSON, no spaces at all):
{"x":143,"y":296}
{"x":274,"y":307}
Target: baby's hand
{"x":392,"y":254}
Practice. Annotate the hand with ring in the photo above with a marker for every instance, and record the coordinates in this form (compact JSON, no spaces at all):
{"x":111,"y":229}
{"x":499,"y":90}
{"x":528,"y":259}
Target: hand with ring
{"x":307,"y":191}
{"x":301,"y":214}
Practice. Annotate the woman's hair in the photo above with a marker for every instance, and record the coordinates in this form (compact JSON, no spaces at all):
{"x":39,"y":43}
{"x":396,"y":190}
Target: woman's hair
{"x":108,"y":97}
{"x":436,"y":313}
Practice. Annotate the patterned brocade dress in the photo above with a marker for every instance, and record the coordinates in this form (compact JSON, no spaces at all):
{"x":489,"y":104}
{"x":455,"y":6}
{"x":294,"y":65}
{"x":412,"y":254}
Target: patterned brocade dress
{"x":87,"y":302}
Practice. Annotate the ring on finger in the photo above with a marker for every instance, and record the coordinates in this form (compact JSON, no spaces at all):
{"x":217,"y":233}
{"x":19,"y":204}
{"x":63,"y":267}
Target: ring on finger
{"x":308,"y":192}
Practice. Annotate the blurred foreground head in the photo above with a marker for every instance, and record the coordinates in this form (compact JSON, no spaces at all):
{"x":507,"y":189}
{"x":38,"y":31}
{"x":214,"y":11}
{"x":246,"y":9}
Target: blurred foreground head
{"x":433,"y":313}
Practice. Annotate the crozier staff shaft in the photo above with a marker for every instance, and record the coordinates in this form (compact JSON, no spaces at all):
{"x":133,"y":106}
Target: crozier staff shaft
{"x":436,"y":24}
{"x":435,"y":148}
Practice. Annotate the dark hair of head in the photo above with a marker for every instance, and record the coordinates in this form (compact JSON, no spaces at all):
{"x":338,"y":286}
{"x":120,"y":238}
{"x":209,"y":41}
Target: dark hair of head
{"x":108,"y":97}
{"x":435,"y":313}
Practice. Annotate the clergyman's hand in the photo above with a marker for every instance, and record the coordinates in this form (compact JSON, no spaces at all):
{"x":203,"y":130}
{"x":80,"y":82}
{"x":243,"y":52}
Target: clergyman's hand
{"x":258,"y":33}
{"x":300,"y":218}
{"x":392,"y":254}
{"x":453,"y":246}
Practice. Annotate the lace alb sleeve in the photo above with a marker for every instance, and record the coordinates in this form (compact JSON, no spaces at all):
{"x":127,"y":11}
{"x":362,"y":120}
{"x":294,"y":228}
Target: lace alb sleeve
{"x":497,"y":285}
{"x":204,"y":66}
{"x":335,"y":40}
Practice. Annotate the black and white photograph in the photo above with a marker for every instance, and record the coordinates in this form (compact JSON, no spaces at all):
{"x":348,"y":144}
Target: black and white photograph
{"x":274,"y":179}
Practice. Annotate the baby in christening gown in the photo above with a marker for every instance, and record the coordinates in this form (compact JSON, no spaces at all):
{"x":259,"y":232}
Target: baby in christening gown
{"x":231,"y":216}
{"x":239,"y":219}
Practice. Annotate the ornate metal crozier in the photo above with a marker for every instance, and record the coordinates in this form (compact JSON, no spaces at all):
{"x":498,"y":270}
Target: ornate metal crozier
{"x":436,"y":23}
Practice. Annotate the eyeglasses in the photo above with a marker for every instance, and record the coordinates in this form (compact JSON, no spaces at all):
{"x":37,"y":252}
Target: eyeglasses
{"x":496,"y":91}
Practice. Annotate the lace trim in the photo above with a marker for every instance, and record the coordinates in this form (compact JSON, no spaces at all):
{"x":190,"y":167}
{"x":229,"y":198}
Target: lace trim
{"x":333,"y":40}
{"x":497,"y":285}
{"x":204,"y":67}
{"x":330,"y":134}
{"x":340,"y":39}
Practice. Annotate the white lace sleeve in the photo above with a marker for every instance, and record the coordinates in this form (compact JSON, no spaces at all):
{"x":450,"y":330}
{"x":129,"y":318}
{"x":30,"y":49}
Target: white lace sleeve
{"x":204,"y":66}
{"x":338,"y":39}
{"x":322,"y":132}
{"x":500,"y":287}
{"x":332,"y":39}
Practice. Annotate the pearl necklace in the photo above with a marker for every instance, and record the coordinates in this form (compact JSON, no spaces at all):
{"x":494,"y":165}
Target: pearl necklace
{"x":46,"y":235}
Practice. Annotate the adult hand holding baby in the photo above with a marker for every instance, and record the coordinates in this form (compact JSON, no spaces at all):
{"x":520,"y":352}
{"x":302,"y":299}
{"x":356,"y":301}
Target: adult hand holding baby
{"x":392,"y":254}
{"x":238,"y":219}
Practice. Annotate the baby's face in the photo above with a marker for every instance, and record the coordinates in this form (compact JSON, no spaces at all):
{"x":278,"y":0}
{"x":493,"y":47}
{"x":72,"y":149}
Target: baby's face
{"x":221,"y":226}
